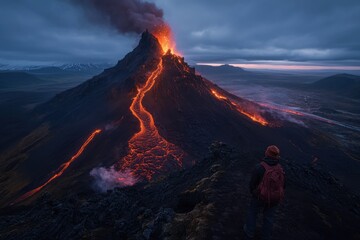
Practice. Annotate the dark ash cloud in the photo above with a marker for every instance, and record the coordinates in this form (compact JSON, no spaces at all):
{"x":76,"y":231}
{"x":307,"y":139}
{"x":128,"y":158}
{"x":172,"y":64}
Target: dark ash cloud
{"x":127,"y":16}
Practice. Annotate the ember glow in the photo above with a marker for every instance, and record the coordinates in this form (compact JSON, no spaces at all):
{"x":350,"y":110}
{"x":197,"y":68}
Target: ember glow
{"x":61,"y":169}
{"x":253,"y":116}
{"x":218,"y":95}
{"x":149,"y":153}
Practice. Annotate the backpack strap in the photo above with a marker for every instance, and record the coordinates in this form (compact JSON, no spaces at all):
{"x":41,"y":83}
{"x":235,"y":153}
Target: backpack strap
{"x":265,"y":165}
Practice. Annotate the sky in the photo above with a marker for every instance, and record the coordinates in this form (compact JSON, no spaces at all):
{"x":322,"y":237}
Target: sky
{"x":281,"y":33}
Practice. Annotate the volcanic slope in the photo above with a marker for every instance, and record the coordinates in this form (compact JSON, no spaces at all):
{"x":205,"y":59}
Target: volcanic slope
{"x":155,"y":115}
{"x":63,"y":124}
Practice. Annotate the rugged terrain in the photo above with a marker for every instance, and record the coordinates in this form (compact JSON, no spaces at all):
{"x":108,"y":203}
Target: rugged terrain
{"x":207,"y":201}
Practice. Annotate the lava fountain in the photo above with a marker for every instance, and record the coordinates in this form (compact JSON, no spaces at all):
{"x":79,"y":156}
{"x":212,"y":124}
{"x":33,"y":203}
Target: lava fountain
{"x":61,"y":169}
{"x":165,"y":37}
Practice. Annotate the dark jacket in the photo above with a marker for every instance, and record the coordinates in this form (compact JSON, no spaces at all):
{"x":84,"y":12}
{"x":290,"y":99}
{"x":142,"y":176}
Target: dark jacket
{"x":259,"y":172}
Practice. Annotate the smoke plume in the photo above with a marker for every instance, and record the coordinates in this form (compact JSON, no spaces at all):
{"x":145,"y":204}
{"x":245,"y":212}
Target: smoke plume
{"x":127,"y":16}
{"x":106,"y":179}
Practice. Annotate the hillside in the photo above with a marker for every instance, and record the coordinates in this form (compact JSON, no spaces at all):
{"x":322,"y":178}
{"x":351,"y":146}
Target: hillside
{"x":342,"y":84}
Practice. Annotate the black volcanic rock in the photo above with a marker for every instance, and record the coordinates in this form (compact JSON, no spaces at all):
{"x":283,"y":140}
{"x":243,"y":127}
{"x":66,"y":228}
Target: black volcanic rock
{"x":342,"y":84}
{"x":207,"y":201}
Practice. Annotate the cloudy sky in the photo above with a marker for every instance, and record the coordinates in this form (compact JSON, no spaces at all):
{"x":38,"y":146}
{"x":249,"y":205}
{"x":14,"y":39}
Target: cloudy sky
{"x":257,"y":32}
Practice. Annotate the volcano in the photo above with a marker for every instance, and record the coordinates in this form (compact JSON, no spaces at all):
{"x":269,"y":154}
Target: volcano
{"x":148,"y":116}
{"x":151,"y":132}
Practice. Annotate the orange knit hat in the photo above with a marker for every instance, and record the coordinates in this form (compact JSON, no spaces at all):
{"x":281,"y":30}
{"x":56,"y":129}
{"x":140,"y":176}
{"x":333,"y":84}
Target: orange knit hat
{"x":272,"y":152}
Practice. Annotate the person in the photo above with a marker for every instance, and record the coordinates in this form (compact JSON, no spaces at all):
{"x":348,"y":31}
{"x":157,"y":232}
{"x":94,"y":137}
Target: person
{"x":267,"y":186}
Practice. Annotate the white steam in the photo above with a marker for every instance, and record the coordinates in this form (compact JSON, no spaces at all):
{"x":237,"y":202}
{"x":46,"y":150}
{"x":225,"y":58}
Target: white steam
{"x":106,"y":179}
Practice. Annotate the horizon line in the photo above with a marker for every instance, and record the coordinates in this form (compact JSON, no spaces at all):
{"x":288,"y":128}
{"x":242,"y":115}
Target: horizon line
{"x":292,"y":67}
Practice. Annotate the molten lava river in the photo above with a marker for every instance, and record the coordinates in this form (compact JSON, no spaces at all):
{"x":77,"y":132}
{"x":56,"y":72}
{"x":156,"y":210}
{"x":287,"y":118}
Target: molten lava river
{"x":149,"y":153}
{"x":252,"y":116}
{"x":61,"y":169}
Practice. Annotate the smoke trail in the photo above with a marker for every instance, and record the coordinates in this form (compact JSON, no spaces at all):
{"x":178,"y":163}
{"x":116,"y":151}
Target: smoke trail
{"x":127,"y":16}
{"x":106,"y":179}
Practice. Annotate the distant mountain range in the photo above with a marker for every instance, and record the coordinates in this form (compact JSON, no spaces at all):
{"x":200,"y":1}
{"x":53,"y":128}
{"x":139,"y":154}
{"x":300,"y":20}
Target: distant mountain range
{"x":228,"y":73}
{"x":224,"y":69}
{"x":74,"y":67}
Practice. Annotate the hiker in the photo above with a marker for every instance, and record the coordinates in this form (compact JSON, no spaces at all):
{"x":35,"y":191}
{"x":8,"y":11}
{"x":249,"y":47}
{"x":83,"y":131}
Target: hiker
{"x":267,"y":189}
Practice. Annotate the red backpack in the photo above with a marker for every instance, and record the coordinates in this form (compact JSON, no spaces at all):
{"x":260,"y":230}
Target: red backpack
{"x":271,"y":187}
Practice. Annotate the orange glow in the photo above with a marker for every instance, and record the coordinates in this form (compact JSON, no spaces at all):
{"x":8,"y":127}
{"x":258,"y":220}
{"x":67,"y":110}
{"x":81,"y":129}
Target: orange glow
{"x":218,"y":95}
{"x":165,"y":37}
{"x":253,"y":116}
{"x":61,"y":169}
{"x":149,"y":153}
{"x":293,"y":112}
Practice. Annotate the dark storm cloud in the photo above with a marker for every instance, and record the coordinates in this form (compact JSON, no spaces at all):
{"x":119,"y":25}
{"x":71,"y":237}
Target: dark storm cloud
{"x":206,"y":31}
{"x":56,"y":31}
{"x":271,"y":30}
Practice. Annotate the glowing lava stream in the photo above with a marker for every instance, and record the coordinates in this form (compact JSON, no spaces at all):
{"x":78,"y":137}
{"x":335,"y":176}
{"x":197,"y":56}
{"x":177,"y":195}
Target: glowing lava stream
{"x":61,"y":169}
{"x":252,"y":116}
{"x":149,"y":153}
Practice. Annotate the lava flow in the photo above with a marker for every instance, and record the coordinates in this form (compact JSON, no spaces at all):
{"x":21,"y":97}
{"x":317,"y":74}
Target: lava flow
{"x":61,"y":169}
{"x":252,"y":116}
{"x":149,"y":153}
